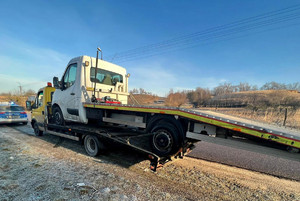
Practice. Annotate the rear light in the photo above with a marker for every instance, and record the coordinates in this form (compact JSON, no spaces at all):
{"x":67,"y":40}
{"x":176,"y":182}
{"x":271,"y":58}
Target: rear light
{"x":21,"y":113}
{"x":2,"y":112}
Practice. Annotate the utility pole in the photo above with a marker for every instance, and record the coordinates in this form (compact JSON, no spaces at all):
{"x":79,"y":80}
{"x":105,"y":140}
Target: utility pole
{"x":20,"y":87}
{"x":285,"y":116}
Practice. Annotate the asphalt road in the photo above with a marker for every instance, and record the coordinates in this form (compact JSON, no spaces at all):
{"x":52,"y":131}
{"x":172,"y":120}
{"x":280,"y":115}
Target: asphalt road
{"x":249,"y":155}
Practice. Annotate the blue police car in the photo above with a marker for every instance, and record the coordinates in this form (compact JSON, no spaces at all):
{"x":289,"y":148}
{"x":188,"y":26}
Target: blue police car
{"x":12,"y":113}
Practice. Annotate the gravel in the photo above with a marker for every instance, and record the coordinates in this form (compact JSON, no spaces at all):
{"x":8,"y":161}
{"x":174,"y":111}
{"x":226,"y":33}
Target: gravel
{"x":44,"y":168}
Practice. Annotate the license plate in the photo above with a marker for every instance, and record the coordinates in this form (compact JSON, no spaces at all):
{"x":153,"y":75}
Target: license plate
{"x":13,"y":117}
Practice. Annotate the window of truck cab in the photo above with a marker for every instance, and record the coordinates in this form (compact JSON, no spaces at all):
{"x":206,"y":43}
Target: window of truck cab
{"x":105,"y":77}
{"x":39,"y":99}
{"x":70,"y":76}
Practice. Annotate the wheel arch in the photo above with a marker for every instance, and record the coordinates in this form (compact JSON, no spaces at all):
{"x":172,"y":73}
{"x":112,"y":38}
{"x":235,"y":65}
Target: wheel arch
{"x":32,"y":122}
{"x":60,"y":111}
{"x":56,"y":105}
{"x":154,"y":120}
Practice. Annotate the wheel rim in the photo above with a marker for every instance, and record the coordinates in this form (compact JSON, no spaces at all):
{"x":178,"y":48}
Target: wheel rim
{"x":91,"y":145}
{"x":57,"y":118}
{"x":162,"y":140}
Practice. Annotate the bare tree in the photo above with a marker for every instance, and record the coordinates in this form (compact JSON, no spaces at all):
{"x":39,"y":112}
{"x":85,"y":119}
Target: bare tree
{"x":254,"y":88}
{"x":222,"y":89}
{"x":243,"y":86}
{"x":176,"y":99}
{"x":199,"y":97}
{"x":142,"y":91}
{"x":294,"y":86}
{"x":273,"y":86}
{"x":134,"y":91}
{"x":29,"y":92}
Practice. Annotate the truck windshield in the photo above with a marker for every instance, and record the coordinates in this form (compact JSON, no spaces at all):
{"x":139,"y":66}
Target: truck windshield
{"x":105,"y":77}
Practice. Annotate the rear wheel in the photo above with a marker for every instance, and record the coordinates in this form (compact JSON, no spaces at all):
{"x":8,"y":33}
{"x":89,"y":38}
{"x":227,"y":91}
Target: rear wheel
{"x":58,"y":116}
{"x":165,"y":139}
{"x":92,"y":145}
{"x":36,"y":129}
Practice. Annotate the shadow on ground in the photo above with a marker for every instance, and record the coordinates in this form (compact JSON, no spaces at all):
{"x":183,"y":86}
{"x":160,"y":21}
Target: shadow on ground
{"x":116,"y":153}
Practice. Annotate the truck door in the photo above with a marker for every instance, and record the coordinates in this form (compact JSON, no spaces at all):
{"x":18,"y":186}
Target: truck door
{"x":69,"y":100}
{"x":39,"y":112}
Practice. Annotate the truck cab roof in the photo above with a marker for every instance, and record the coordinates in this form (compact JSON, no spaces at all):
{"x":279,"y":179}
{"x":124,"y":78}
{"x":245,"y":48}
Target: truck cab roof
{"x":102,"y":64}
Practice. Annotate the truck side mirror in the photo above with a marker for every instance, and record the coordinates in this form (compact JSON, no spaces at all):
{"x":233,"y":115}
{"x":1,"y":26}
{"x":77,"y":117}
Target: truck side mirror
{"x":56,"y":83}
{"x":28,"y":105}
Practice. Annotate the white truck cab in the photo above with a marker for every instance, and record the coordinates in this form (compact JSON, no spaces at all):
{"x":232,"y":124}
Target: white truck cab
{"x":80,"y":83}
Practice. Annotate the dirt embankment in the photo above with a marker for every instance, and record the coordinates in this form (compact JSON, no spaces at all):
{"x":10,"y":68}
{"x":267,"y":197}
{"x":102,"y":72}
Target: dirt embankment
{"x":280,"y":107}
{"x":44,"y":168}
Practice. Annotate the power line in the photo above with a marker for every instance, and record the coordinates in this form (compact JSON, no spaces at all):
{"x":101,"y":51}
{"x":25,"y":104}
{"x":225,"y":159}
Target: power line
{"x":206,"y":43}
{"x":251,"y":23}
{"x":211,"y":35}
{"x":159,"y":45}
{"x":218,"y":28}
{"x":217,"y":35}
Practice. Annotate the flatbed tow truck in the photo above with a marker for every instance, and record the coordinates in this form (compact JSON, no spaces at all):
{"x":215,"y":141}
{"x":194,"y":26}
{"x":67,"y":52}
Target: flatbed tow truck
{"x":89,"y":104}
{"x":95,"y":137}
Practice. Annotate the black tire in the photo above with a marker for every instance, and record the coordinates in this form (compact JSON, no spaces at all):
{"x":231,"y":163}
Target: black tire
{"x":58,"y":117}
{"x":92,"y":145}
{"x":165,"y":139}
{"x":36,"y":129}
{"x":24,"y":123}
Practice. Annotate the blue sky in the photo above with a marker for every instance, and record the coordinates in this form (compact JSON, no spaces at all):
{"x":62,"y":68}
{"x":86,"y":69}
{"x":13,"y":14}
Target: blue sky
{"x":38,"y":38}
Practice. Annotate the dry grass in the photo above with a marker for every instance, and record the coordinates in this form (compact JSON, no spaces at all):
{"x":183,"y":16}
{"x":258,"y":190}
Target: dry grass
{"x":20,"y":100}
{"x":259,"y":98}
{"x":144,"y":99}
{"x":268,"y":115}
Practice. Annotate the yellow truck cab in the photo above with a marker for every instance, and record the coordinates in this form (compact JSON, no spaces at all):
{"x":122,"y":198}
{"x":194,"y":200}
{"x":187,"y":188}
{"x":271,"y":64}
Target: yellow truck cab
{"x":39,"y":109}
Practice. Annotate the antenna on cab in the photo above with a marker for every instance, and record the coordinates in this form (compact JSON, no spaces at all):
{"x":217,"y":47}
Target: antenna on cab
{"x":94,"y":99}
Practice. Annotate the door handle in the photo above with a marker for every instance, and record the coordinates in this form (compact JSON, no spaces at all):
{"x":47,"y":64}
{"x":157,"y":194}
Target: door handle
{"x":72,"y":94}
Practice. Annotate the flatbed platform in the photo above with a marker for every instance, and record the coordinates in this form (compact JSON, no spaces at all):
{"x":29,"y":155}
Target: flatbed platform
{"x":264,"y":131}
{"x":270,"y":127}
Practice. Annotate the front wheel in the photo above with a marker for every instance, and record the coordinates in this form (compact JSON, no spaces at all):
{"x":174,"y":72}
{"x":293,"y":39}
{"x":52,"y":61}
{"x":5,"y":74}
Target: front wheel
{"x":36,"y":129}
{"x":165,"y":139}
{"x":58,"y":116}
